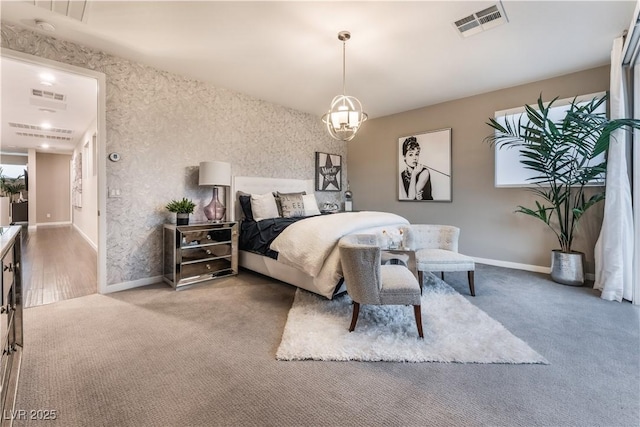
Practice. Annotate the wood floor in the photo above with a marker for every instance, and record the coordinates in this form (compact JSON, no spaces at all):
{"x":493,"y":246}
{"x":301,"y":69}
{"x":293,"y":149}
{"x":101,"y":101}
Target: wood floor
{"x":57,"y":264}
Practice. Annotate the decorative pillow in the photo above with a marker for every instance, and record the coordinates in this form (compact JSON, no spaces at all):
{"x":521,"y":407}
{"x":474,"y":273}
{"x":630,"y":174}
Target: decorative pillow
{"x":245,"y":205}
{"x":292,"y":205}
{"x":277,"y":195}
{"x":310,"y":205}
{"x":263,"y":206}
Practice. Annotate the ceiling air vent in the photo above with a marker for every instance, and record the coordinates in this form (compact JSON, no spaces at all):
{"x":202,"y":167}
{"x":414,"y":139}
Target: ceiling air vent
{"x":485,"y":19}
{"x":39,"y":128}
{"x":39,"y":135}
{"x":47,"y":94}
{"x":48,"y":99}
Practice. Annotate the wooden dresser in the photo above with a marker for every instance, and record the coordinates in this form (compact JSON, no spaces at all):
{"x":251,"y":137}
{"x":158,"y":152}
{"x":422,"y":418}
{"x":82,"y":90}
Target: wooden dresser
{"x":10,"y":319}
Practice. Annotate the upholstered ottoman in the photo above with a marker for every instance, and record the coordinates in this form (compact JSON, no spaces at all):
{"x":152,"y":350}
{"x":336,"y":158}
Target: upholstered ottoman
{"x":436,"y":249}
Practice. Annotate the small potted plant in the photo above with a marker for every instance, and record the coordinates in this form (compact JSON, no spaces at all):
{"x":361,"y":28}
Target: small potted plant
{"x":182,"y":208}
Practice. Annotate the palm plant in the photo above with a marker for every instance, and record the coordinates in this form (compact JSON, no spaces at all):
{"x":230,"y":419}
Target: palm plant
{"x":14,"y":187}
{"x":565,"y":156}
{"x":3,"y":183}
{"x":11,"y":186}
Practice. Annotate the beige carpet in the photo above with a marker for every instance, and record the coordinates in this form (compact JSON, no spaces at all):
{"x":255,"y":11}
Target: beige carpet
{"x":205,"y":356}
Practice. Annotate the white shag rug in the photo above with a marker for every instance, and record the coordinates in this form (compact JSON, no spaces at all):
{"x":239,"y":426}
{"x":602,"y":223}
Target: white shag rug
{"x":454,"y":331}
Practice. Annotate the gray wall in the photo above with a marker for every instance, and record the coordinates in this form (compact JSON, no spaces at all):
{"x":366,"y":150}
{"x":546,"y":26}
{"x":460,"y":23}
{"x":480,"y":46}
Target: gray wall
{"x":53,"y":188}
{"x":489,"y":228}
{"x":163,"y":125}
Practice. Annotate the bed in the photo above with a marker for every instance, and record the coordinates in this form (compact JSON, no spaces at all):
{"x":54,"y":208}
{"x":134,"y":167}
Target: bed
{"x":307,"y":253}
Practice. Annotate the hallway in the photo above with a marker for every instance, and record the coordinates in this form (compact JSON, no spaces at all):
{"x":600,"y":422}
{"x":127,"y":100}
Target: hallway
{"x":57,"y":264}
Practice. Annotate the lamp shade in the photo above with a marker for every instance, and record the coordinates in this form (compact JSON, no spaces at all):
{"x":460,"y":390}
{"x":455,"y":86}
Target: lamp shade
{"x":215,"y":173}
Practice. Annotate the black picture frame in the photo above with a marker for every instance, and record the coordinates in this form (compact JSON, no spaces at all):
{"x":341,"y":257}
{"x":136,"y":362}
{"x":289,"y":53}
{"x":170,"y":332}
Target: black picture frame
{"x":328,"y":172}
{"x":430,"y":153}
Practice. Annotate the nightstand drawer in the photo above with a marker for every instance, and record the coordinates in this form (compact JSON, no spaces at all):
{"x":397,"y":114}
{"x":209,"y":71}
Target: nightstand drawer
{"x":205,"y":267}
{"x":204,"y":237}
{"x":205,"y":252}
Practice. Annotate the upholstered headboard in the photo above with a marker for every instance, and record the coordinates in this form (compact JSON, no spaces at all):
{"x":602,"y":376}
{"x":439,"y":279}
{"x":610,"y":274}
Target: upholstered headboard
{"x":260,"y":185}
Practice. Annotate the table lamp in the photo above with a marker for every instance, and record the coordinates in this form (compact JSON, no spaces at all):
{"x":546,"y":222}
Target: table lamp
{"x":217,"y":174}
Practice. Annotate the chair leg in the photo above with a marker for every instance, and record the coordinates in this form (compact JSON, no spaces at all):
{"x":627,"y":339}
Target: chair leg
{"x":442,"y":275}
{"x":418,"y":314}
{"x":420,"y":280}
{"x":471,"y":284}
{"x":354,"y":318}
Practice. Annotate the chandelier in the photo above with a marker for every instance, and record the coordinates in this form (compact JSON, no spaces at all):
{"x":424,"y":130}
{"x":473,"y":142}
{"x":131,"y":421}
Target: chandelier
{"x":345,"y":116}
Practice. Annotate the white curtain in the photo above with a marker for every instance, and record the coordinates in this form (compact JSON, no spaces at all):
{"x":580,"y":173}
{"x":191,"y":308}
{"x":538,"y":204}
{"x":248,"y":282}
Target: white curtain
{"x":614,"y":248}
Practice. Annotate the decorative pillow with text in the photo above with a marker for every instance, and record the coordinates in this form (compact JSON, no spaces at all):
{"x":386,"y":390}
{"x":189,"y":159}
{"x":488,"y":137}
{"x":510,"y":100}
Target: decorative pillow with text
{"x":277,"y":195}
{"x":292,"y":205}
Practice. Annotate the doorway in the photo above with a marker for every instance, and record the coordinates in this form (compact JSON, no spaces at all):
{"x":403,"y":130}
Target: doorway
{"x":79,"y":227}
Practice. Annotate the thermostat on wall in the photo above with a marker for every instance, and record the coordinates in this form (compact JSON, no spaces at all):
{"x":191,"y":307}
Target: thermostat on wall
{"x":114,"y":157}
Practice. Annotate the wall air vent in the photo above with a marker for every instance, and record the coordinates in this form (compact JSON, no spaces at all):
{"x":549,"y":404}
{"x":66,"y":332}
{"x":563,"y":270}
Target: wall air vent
{"x":75,"y":9}
{"x":485,"y":19}
{"x":40,"y":128}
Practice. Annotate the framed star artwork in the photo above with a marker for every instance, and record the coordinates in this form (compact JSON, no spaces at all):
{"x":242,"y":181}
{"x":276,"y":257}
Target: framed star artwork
{"x":328,"y":172}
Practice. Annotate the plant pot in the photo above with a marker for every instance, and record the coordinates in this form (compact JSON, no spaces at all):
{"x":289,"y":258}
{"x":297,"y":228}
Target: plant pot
{"x":182,"y":219}
{"x":567,"y":268}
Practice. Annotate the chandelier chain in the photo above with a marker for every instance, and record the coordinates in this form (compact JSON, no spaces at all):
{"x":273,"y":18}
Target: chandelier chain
{"x":344,"y":67}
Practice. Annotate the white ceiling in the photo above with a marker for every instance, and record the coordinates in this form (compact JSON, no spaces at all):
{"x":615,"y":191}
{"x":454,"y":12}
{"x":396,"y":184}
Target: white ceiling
{"x":26,"y":118}
{"x":402,"y":55}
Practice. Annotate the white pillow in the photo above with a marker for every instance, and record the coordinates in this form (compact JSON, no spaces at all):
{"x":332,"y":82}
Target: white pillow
{"x":310,"y":205}
{"x":264,"y":206}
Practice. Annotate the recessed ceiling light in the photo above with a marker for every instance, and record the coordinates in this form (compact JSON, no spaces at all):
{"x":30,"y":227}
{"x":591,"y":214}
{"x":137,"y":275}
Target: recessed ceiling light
{"x":47,"y":110}
{"x":45,"y":125}
{"x":47,"y":79}
{"x":44,"y":145}
{"x":44,"y":25}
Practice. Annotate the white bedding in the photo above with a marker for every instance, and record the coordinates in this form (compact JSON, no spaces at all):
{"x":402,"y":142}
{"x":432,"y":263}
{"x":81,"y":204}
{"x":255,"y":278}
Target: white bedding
{"x":330,"y":273}
{"x":311,"y":246}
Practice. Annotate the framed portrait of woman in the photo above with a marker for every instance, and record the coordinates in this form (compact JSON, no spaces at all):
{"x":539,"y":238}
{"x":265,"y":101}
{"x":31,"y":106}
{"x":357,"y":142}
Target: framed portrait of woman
{"x":424,"y":166}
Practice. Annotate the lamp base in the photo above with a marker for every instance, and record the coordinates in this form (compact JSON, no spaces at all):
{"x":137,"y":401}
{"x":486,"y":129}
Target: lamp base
{"x":215,"y":210}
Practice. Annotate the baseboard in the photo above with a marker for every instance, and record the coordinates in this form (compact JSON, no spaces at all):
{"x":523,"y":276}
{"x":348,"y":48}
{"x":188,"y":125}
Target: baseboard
{"x":51,"y":224}
{"x":519,"y":266}
{"x":85,"y":237}
{"x":514,"y":265}
{"x":117,"y":287}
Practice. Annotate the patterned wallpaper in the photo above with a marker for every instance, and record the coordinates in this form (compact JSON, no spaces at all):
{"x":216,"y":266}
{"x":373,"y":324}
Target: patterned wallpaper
{"x":164,"y":125}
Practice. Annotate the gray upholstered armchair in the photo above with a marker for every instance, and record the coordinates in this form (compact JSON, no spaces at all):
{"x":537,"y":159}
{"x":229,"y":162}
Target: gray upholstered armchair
{"x":369,"y":282}
{"x":436,"y":248}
